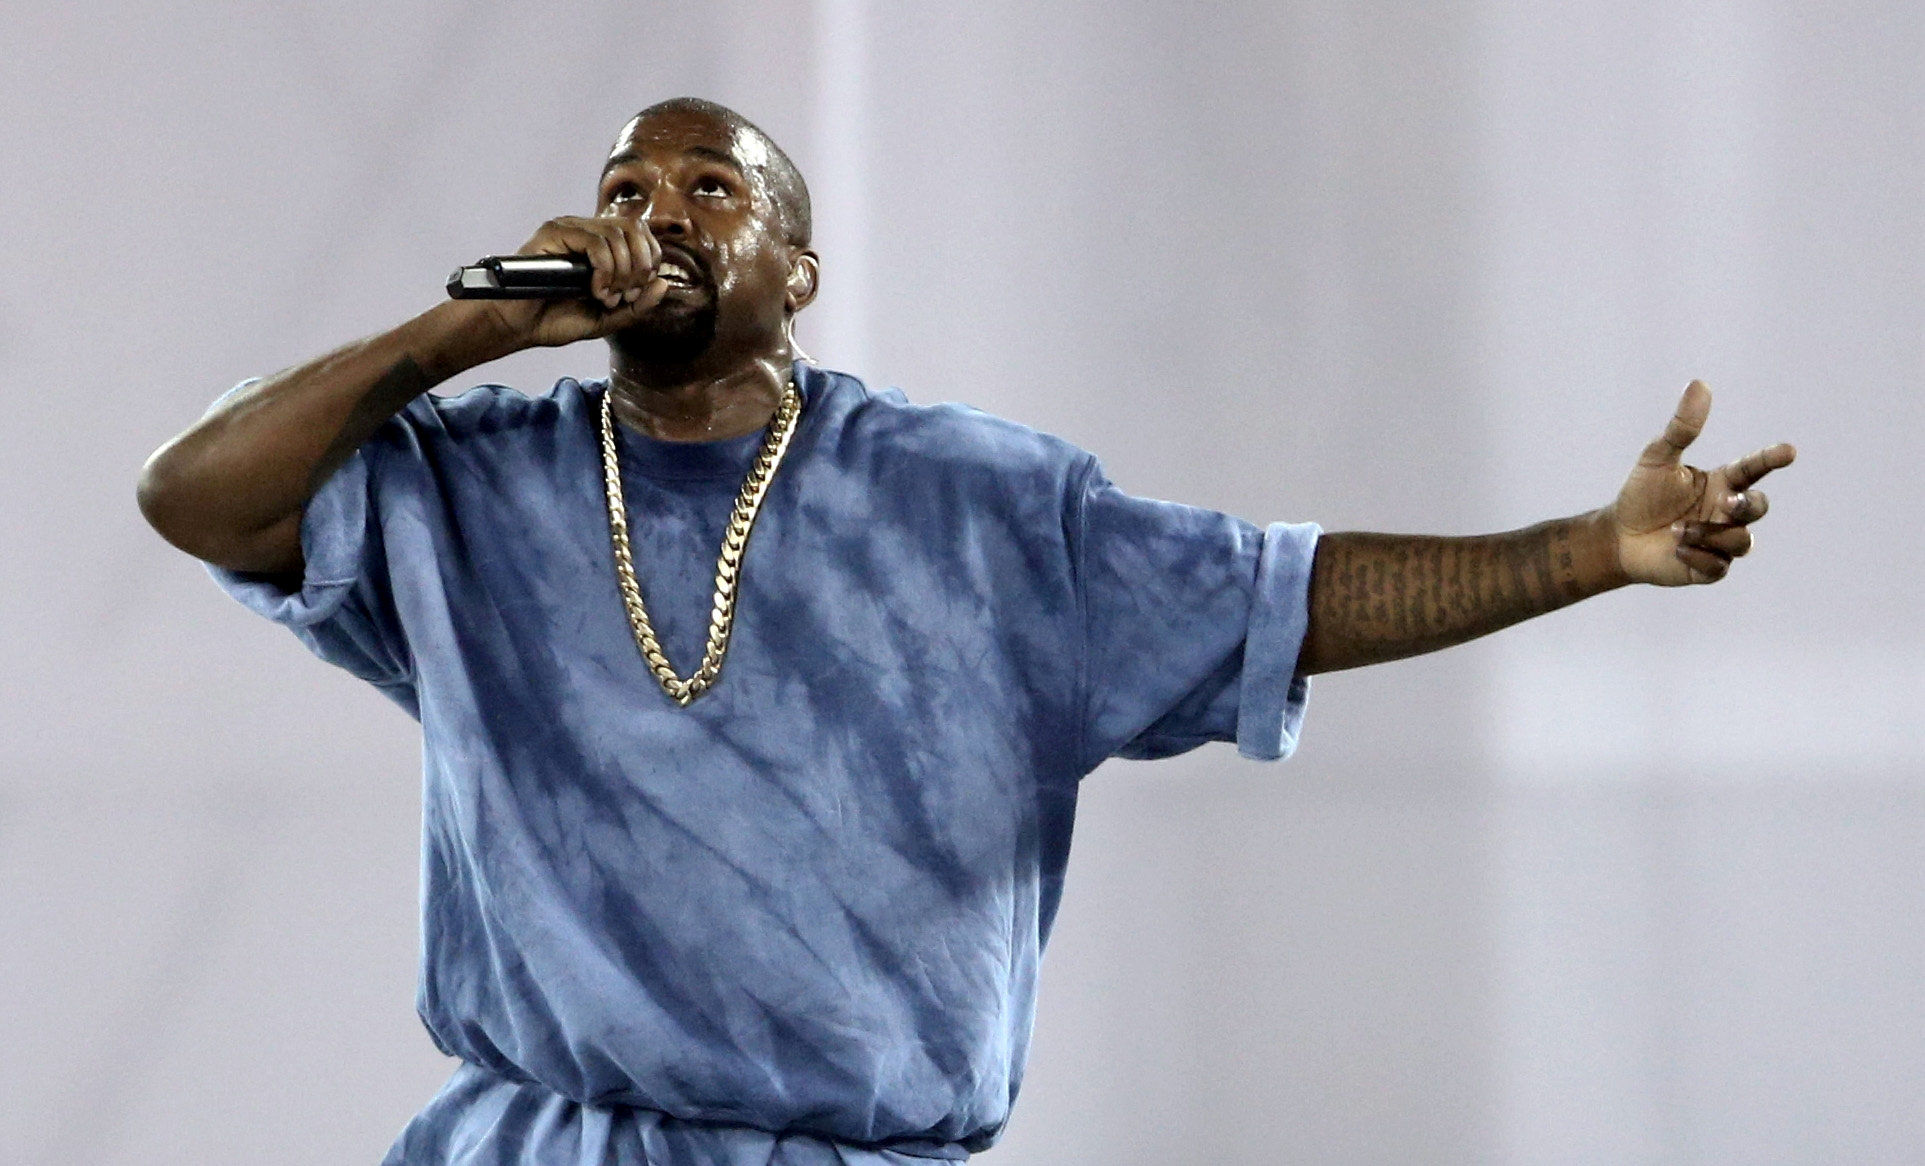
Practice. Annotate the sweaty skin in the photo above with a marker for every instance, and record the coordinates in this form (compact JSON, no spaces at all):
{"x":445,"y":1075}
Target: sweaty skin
{"x":701,"y":257}
{"x":696,"y":360}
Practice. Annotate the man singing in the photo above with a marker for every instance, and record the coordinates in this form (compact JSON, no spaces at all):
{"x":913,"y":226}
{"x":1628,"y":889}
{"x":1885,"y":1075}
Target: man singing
{"x":754,"y":702}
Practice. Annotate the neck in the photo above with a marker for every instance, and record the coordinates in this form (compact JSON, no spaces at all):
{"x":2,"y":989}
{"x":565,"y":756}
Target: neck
{"x":686,"y":404}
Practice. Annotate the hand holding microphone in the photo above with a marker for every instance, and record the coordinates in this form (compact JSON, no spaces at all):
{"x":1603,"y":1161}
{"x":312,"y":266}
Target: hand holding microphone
{"x":575,"y":279}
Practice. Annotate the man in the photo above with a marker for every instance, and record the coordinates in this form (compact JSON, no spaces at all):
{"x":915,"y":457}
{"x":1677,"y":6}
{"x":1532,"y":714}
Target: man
{"x":754,"y":862}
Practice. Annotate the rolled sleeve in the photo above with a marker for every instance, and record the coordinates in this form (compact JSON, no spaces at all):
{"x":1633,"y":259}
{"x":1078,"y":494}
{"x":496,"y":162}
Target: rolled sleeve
{"x":334,"y":542}
{"x":344,"y":610}
{"x":1270,"y":705}
{"x":1194,"y":620}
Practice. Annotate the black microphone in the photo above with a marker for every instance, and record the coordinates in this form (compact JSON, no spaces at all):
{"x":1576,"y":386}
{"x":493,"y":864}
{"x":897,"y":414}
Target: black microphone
{"x":522,"y":277}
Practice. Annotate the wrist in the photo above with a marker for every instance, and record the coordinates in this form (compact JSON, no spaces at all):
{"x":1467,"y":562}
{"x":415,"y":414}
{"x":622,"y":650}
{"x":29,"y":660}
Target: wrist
{"x":456,"y":335}
{"x":1597,"y":565}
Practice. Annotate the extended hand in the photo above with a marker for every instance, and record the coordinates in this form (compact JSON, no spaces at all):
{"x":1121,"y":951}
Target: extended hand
{"x":1677,"y":524}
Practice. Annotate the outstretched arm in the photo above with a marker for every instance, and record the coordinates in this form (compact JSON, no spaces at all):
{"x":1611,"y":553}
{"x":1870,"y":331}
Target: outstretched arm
{"x":1378,"y":597}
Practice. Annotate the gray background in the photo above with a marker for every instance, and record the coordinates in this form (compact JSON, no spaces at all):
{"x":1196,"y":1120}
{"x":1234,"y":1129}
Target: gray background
{"x":1639,"y":883}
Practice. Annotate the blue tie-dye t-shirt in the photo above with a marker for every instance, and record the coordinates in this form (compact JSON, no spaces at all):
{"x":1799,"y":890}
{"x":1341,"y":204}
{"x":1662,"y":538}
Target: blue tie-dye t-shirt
{"x":799,"y":920}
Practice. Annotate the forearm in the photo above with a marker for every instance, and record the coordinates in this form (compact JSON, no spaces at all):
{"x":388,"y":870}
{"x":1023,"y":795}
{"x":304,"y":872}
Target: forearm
{"x":1378,"y":597}
{"x":231,"y":488}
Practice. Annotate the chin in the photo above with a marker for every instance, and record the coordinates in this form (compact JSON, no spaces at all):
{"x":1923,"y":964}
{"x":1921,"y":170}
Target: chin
{"x":669,"y":335}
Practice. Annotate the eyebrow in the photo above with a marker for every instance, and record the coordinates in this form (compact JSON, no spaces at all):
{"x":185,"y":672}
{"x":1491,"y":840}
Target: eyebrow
{"x":709,"y":152}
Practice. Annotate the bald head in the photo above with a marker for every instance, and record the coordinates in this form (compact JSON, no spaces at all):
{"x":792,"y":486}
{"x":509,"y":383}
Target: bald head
{"x":760,"y":158}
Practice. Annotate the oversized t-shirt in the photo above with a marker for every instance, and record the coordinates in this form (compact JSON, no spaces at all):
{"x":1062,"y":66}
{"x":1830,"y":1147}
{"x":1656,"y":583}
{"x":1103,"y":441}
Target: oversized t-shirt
{"x":799,"y":920}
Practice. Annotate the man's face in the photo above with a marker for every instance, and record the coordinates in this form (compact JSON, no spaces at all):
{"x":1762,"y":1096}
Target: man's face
{"x":699,"y":186}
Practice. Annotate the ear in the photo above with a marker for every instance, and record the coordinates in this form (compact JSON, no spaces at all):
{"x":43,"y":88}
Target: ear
{"x":805,"y":273}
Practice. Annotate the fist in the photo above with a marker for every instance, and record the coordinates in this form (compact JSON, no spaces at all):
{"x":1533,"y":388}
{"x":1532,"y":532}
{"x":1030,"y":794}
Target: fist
{"x":624,"y":287}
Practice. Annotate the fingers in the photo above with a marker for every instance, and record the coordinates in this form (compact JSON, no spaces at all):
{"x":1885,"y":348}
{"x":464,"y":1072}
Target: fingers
{"x":1749,"y":506}
{"x":600,"y":249}
{"x":1707,"y":548}
{"x":620,"y":251}
{"x":645,"y":254}
{"x":620,"y":273}
{"x":1706,"y":566}
{"x":1755,"y":465}
{"x":628,"y":309}
{"x":1694,"y":408}
{"x":649,"y":248}
{"x":1721,"y":538}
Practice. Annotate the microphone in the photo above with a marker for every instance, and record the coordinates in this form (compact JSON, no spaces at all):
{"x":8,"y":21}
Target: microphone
{"x":521,"y":277}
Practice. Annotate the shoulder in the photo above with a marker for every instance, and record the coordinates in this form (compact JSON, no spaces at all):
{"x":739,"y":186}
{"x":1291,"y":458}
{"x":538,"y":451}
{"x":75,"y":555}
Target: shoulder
{"x":485,"y":421}
{"x":487,"y":410}
{"x":948,"y":435}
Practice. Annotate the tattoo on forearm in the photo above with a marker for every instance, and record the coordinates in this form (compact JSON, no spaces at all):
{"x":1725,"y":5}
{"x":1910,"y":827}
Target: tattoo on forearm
{"x":1377,"y":597}
{"x":403,"y":382}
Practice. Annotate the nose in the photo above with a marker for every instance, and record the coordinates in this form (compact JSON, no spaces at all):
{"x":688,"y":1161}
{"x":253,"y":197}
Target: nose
{"x":667,"y":216}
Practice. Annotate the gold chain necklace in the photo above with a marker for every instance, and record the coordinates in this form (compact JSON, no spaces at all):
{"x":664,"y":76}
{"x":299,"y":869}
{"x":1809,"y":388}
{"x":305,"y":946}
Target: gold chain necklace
{"x":728,"y":569}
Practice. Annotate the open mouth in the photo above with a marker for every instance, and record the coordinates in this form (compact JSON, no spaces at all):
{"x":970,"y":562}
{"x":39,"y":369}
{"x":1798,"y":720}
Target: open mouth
{"x":678,"y":271}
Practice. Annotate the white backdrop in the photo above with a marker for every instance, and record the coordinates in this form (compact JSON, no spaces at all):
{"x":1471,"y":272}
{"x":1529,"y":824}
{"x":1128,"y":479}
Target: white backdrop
{"x":1639,"y":883}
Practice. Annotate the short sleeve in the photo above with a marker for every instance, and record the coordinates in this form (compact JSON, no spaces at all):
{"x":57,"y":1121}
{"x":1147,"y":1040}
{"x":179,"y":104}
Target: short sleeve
{"x":1193,"y":623}
{"x":344,"y":611}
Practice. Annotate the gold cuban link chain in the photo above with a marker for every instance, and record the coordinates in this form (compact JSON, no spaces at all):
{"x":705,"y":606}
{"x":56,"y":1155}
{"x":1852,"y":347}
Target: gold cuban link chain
{"x":728,"y":568}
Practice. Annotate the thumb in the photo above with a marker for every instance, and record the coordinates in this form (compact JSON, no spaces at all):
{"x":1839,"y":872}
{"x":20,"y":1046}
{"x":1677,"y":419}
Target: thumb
{"x":1685,"y":425}
{"x":613,"y":321}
